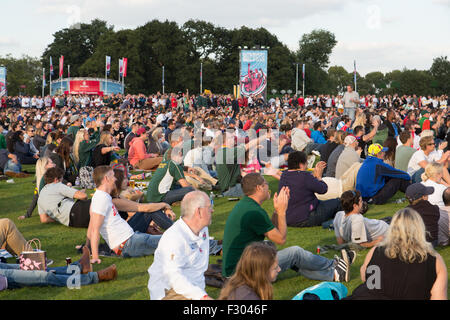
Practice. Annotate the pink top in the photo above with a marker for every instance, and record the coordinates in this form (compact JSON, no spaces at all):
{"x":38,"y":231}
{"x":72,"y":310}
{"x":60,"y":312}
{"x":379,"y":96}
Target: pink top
{"x":137,"y":151}
{"x":253,"y":167}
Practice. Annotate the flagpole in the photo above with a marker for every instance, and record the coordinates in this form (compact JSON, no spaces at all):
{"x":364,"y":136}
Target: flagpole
{"x":106,"y":77}
{"x":354,"y":65}
{"x":201,"y":77}
{"x":163,"y":78}
{"x":51,"y":69}
{"x":43,"y":82}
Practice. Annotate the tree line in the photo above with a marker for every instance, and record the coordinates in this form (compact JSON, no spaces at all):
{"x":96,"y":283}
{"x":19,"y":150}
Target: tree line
{"x":181,"y":50}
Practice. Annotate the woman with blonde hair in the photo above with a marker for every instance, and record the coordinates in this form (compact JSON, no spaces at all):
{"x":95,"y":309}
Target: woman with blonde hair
{"x":101,"y":154}
{"x":255,"y":272}
{"x":76,"y":145}
{"x":432,"y":177}
{"x":404,"y":265}
{"x":360,"y":120}
{"x":41,"y":166}
{"x":83,"y":146}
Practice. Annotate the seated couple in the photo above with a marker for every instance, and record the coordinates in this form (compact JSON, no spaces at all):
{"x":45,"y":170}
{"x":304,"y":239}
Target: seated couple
{"x":68,"y":206}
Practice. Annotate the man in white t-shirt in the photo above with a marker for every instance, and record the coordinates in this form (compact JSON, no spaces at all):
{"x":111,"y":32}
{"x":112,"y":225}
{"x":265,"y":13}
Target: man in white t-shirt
{"x":107,"y":222}
{"x":25,"y":102}
{"x":182,"y":256}
{"x":351,"y":226}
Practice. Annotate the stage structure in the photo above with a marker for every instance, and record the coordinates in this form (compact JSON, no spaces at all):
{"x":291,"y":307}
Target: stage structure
{"x":89,"y":86}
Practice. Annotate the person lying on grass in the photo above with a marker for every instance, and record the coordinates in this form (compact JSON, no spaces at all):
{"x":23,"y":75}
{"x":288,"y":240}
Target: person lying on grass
{"x":57,"y":202}
{"x":351,"y":226}
{"x":13,"y":277}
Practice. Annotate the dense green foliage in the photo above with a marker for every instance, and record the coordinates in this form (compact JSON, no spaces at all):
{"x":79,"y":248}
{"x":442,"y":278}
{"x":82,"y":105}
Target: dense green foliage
{"x":181,"y":50}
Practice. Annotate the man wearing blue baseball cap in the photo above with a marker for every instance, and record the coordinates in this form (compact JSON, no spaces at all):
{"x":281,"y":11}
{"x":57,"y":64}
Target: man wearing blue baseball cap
{"x":376,"y":180}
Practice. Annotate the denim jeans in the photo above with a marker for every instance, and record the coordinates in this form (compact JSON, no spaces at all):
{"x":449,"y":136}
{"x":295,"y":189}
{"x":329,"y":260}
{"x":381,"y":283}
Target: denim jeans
{"x":11,"y":166}
{"x":235,"y":191}
{"x":324,"y":211}
{"x":417,"y":176}
{"x":141,"y":220}
{"x":176,"y":195}
{"x":140,"y":244}
{"x":309,"y":265}
{"x":53,"y":277}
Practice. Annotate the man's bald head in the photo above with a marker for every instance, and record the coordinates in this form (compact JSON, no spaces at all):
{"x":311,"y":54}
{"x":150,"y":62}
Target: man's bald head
{"x":192,"y":201}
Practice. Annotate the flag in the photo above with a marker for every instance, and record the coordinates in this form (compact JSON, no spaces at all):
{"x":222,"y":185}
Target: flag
{"x":51,"y":66}
{"x":125,"y":62}
{"x":61,"y":66}
{"x":108,"y":65}
{"x":120,"y":67}
{"x":44,"y":84}
{"x":303,"y":71}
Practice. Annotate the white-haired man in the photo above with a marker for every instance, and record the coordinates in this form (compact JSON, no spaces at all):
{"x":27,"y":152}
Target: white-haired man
{"x":182,"y":256}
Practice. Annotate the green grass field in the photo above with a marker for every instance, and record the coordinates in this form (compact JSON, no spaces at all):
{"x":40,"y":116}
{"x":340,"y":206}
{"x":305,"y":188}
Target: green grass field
{"x":59,"y":242}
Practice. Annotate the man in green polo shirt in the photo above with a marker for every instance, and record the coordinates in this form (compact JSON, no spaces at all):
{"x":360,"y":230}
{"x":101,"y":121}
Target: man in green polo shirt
{"x":228,"y":161}
{"x":162,"y":186}
{"x":249,"y":222}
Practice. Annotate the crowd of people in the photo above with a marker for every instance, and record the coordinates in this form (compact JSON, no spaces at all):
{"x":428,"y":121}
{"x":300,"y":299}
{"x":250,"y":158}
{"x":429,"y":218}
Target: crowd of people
{"x":334,"y":157}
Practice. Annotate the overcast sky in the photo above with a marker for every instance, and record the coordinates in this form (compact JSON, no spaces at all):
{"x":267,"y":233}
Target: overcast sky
{"x":381,"y":35}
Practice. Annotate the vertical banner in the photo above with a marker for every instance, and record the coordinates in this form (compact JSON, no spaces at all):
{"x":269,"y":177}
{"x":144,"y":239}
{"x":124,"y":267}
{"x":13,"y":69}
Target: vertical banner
{"x":61,"y":66}
{"x":51,"y":67}
{"x":125,"y":64}
{"x":253,"y":72}
{"x":108,"y":65}
{"x":120,"y":68}
{"x":303,"y":72}
{"x":3,"y":91}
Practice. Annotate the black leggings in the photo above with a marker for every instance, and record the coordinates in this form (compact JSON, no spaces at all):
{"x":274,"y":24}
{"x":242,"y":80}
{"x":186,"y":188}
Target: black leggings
{"x":79,"y":214}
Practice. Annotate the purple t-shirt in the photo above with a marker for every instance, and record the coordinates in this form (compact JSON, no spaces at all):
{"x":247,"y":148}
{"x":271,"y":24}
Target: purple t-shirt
{"x":303,"y":186}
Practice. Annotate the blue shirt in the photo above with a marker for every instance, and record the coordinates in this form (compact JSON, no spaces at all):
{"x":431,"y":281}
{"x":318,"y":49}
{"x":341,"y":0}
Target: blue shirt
{"x":372,"y":176}
{"x":318,"y":137}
